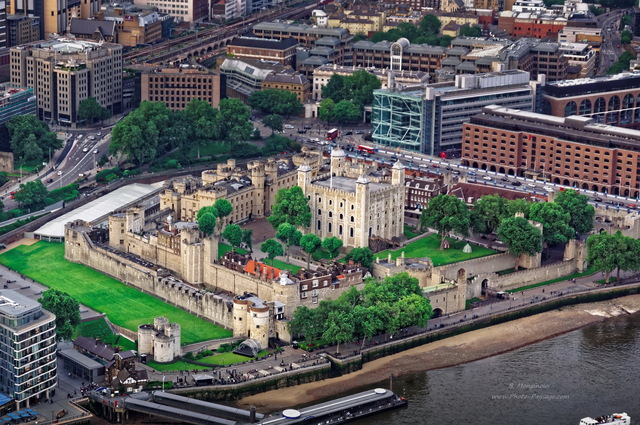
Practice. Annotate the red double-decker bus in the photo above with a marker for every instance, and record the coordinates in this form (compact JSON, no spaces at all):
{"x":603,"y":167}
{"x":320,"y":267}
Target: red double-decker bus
{"x":332,"y":134}
{"x":365,"y":148}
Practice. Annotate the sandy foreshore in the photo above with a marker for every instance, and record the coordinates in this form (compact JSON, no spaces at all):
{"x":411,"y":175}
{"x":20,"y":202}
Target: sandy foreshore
{"x":451,"y":351}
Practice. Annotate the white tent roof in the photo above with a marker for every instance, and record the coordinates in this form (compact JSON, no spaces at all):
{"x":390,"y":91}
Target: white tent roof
{"x":100,"y":207}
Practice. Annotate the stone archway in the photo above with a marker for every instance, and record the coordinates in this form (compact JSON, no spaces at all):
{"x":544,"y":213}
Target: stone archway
{"x":484,"y":286}
{"x":461,"y":277}
{"x":437,"y":312}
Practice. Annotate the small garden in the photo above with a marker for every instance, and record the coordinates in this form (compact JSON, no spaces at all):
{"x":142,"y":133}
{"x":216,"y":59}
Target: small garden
{"x":429,"y":246}
{"x":223,"y":356}
{"x":99,"y":329}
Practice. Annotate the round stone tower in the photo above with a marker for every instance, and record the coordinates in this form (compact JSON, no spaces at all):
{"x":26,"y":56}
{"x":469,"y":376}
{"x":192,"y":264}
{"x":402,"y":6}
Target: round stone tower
{"x":159,"y":323}
{"x":240,"y":316}
{"x":145,"y":339}
{"x":259,"y":325}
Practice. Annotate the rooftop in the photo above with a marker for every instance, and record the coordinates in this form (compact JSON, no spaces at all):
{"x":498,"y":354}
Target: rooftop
{"x":347,"y":184}
{"x":13,"y":303}
{"x":65,"y":45}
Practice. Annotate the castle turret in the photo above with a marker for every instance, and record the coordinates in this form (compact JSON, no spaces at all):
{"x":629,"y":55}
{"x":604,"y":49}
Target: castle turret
{"x":338,"y":158}
{"x":362,"y":230}
{"x":397,"y":174}
{"x":304,"y":176}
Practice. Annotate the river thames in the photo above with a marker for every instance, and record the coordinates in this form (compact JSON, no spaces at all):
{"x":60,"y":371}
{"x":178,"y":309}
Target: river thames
{"x":589,"y":372}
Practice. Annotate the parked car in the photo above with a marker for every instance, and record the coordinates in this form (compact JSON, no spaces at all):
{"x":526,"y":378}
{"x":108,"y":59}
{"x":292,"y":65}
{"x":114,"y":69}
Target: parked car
{"x":348,"y":133}
{"x":95,"y":151}
{"x":359,"y":132}
{"x":289,"y":127}
{"x":516,"y":183}
{"x":487,"y":178}
{"x":85,"y":149}
{"x":302,"y":131}
{"x":596,"y":199}
{"x":59,"y":173}
{"x":307,"y":127}
{"x":505,"y":179}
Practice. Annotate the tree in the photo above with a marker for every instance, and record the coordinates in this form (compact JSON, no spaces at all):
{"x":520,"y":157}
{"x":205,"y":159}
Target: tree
{"x":334,"y":89}
{"x":234,"y":122}
{"x":369,"y":320}
{"x":346,"y":111}
{"x":291,"y":206}
{"x":520,"y":236}
{"x":555,"y":222}
{"x":273,"y":121}
{"x":332,"y":245}
{"x":30,"y":138}
{"x":210,"y":209}
{"x":446,"y":213}
{"x":89,"y":109}
{"x":137,"y":136}
{"x":580,"y":212}
{"x":276,"y":101}
{"x":305,"y":322}
{"x":430,"y":24}
{"x":410,"y":310}
{"x":309,"y":243}
{"x":288,"y":234}
{"x":363,"y":255}
{"x":224,"y":209}
{"x":341,"y":328}
{"x":487,"y":213}
{"x":518,"y":205}
{"x":272,"y":248}
{"x":233,"y":234}
{"x":247,"y":238}
{"x":203,"y":121}
{"x":207,"y":223}
{"x":626,"y":36}
{"x":32,"y":195}
{"x":608,"y":252}
{"x":390,"y":289}
{"x":470,"y":31}
{"x":66,"y":309}
{"x":325,"y":112}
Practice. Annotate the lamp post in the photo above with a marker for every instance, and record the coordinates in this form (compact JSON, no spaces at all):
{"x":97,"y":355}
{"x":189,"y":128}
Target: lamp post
{"x":163,"y":376}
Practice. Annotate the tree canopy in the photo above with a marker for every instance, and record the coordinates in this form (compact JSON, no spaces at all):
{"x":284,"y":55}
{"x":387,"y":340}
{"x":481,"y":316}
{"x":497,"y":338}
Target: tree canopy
{"x":233,"y":234}
{"x":488,"y":212}
{"x":520,"y":236}
{"x":272,"y":248}
{"x":608,"y":252}
{"x":580,"y":212}
{"x":66,"y":309}
{"x":446,"y":213}
{"x":30,"y":138}
{"x":32,"y":195}
{"x":136,"y":135}
{"x":332,"y":245}
{"x":288,"y":234}
{"x":309,"y":243}
{"x":356,"y":88}
{"x":273,"y":121}
{"x":89,"y":109}
{"x":361,"y":255}
{"x":555,"y":221}
{"x":383,"y":306}
{"x":427,"y":32}
{"x":290,"y":206}
{"x":276,"y":101}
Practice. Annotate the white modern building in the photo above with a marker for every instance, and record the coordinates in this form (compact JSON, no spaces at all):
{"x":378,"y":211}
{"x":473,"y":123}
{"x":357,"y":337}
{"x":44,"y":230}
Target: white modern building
{"x":27,"y":349}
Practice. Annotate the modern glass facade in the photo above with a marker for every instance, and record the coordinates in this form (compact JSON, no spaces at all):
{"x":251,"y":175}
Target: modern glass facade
{"x":14,"y":101}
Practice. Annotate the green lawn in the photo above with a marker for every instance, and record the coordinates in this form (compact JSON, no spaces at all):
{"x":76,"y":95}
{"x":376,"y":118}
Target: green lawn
{"x":99,"y":329}
{"x":222,"y":359}
{"x":430,"y":247}
{"x":223,"y":248}
{"x":125,"y":306}
{"x":410,"y":232}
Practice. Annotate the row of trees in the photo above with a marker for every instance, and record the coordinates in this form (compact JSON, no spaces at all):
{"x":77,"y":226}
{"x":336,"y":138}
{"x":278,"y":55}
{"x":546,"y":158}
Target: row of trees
{"x":382,"y":306}
{"x":153,"y":129}
{"x":427,"y":32}
{"x":608,"y":252}
{"x":569,"y":216}
{"x":276,"y":101}
{"x":31,"y":139}
{"x":344,"y":97}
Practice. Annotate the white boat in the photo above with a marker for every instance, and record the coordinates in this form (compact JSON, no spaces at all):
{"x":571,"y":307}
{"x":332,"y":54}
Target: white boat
{"x":612,"y":419}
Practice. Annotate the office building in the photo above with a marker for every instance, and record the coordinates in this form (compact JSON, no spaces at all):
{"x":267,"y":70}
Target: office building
{"x":282,"y":51}
{"x":613,"y":99}
{"x":573,"y":151}
{"x":4,"y":38}
{"x":28,"y":349}
{"x":398,"y":56}
{"x":241,"y":77}
{"x":54,"y":16}
{"x":22,"y":29}
{"x":429,"y":119}
{"x":63,"y":72}
{"x":177,"y":86}
{"x":15,"y":101}
{"x":182,"y":11}
{"x":293,"y":82}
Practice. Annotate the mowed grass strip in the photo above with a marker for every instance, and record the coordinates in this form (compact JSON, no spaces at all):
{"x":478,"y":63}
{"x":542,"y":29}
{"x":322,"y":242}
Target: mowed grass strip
{"x":429,"y":246}
{"x":125,"y":306}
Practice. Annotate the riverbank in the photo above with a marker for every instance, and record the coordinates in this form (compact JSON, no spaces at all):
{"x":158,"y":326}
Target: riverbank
{"x":452,"y":351}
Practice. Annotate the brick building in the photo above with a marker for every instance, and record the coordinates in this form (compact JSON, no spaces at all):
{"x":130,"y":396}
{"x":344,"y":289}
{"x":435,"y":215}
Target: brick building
{"x":613,"y":99}
{"x":177,"y":86}
{"x":282,"y":51}
{"x":294,"y":82}
{"x":572,"y":151}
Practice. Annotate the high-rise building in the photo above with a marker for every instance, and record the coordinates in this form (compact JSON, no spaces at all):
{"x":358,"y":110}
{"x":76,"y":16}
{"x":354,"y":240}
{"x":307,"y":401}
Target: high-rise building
{"x":429,"y":119}
{"x":63,"y":72}
{"x":22,"y":29}
{"x":3,"y":24}
{"x":28,"y":348}
{"x":54,"y":16}
{"x":182,"y":11}
{"x":177,"y":86}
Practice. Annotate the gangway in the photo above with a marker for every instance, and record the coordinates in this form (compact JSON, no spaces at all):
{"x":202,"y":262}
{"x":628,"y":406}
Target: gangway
{"x":170,"y":412}
{"x":205,"y":407}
